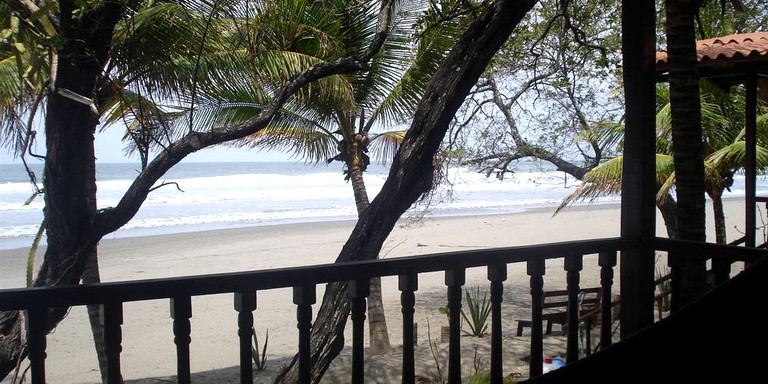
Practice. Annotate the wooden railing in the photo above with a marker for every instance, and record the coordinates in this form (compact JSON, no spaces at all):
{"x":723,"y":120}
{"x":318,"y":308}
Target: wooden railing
{"x":36,"y":302}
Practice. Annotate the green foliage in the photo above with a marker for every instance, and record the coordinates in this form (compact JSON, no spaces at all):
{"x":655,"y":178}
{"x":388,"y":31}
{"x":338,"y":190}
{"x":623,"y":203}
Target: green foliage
{"x":259,"y":358}
{"x":33,"y":250}
{"x":433,"y":351}
{"x":479,"y":311}
{"x":485,"y":377}
{"x":481,"y":374}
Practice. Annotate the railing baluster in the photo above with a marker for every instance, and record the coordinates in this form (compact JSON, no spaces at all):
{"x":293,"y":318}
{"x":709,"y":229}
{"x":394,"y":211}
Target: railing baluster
{"x":497,"y":273}
{"x":536,"y":269}
{"x":674,"y":261}
{"x":245,"y":304}
{"x":408,"y":284}
{"x":721,"y":269}
{"x":573,"y":265}
{"x":112,"y":319}
{"x":304,"y":297}
{"x":358,"y":291}
{"x":37,"y":322}
{"x":181,"y":312}
{"x":607,"y":261}
{"x":454,"y":279}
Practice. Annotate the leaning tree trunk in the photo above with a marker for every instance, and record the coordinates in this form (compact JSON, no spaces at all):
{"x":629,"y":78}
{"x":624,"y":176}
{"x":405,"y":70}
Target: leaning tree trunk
{"x":411,"y":173}
{"x":377,"y":321}
{"x":687,"y":145}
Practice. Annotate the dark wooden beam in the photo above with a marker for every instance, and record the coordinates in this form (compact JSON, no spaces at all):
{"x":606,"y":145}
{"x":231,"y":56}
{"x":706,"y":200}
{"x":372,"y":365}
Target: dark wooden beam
{"x":638,"y":209}
{"x":750,"y":168}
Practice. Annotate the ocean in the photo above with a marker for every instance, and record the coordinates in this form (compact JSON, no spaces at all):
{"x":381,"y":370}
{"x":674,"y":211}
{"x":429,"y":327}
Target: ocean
{"x":231,"y":195}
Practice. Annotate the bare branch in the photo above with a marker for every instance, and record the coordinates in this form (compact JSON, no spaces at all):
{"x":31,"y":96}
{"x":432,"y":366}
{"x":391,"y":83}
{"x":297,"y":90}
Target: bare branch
{"x":166,"y":183}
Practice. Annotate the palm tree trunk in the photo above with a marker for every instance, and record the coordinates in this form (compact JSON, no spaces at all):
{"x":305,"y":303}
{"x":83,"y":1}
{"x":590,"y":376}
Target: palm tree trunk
{"x":687,"y":145}
{"x":667,"y":206}
{"x":377,"y":322}
{"x":69,"y":173}
{"x":717,"y":209}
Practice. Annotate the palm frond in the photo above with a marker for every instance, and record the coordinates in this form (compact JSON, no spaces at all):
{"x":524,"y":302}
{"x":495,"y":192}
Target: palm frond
{"x":603,"y":180}
{"x":394,"y":88}
{"x":606,"y":134}
{"x":300,"y":141}
{"x":25,"y":49}
{"x":606,"y":180}
{"x":383,"y":146}
{"x":733,"y":157}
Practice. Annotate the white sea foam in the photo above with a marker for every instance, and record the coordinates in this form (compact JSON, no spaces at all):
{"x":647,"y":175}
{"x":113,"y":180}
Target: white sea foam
{"x":202,"y":196}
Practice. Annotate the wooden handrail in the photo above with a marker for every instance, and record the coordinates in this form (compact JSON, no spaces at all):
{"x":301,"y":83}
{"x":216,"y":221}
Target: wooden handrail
{"x":304,"y":280}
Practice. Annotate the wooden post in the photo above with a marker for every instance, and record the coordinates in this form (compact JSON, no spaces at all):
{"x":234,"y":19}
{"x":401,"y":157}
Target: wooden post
{"x":536,"y":270}
{"x":408,"y":284}
{"x":36,"y":318}
{"x":304,"y":297}
{"x":181,"y":312}
{"x":573,"y":265}
{"x":497,"y":273}
{"x":245,"y":304}
{"x":454,"y":279}
{"x":358,"y":291}
{"x":606,"y":260}
{"x":638,"y":196}
{"x":112,"y":318}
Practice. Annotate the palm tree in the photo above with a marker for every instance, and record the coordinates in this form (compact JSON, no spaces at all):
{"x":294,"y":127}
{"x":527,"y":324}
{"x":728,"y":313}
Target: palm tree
{"x":725,"y":151}
{"x":605,"y":180}
{"x":338,"y":126}
{"x":687,"y":147}
{"x":723,"y":121}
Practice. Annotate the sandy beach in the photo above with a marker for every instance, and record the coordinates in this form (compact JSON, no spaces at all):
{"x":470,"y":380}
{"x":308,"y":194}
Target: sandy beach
{"x":148,"y":351}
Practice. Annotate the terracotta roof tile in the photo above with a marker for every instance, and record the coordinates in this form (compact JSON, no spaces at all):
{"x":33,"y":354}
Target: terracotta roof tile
{"x":731,"y":48}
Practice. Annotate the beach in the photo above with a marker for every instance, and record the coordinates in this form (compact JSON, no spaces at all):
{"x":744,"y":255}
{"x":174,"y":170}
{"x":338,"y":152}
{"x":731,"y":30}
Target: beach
{"x":149,"y":353}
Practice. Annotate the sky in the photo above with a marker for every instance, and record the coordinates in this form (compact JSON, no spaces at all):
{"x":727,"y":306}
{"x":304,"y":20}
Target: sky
{"x":109,"y":149}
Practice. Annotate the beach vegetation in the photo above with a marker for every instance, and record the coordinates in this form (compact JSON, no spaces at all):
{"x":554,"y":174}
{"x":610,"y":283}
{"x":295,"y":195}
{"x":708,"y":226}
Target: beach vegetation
{"x":434,"y":351}
{"x":481,"y":374}
{"x":259,"y":358}
{"x":479,"y":309}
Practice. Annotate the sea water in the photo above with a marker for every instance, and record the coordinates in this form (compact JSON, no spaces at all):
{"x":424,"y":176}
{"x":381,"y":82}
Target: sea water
{"x":203,"y":196}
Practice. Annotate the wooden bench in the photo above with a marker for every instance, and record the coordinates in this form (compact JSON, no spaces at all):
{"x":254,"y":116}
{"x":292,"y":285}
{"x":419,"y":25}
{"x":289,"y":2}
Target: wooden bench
{"x":555,"y":307}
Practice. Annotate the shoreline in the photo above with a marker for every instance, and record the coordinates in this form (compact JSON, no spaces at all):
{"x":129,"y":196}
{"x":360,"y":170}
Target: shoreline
{"x":224,"y":227}
{"x":148,"y":350}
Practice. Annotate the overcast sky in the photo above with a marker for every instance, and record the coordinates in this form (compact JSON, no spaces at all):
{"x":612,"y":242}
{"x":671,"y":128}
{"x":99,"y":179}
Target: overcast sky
{"x":109,"y":149}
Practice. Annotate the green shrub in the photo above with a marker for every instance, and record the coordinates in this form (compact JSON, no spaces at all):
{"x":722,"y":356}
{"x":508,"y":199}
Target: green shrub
{"x":479,"y":311}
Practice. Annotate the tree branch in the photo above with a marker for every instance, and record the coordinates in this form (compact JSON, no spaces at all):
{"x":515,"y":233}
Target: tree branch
{"x":111,"y":219}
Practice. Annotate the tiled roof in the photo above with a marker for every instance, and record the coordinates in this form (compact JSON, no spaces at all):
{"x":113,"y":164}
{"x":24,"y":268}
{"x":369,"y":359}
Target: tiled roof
{"x":744,"y":47}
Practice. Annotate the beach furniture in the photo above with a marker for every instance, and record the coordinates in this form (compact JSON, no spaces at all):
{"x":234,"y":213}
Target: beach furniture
{"x":556,"y":304}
